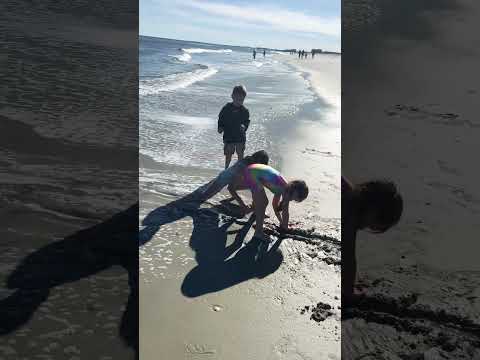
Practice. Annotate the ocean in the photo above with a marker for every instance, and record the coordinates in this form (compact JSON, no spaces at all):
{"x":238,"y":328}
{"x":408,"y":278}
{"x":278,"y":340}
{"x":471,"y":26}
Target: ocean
{"x":183,"y":86}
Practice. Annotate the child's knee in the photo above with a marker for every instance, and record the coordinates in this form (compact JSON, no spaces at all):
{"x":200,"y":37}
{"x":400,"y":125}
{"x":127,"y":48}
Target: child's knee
{"x":240,"y":148}
{"x":229,"y":149}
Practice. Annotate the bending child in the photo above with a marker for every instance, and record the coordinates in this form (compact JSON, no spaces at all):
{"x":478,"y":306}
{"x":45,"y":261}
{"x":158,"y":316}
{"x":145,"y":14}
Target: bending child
{"x":234,"y":175}
{"x":374,"y":206}
{"x":256,"y":178}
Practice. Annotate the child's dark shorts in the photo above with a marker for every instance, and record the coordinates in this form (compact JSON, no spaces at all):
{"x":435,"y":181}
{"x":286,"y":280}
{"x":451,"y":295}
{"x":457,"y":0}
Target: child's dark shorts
{"x":231,"y":148}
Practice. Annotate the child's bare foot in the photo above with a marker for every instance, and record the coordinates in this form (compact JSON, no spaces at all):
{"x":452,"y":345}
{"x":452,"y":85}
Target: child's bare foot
{"x":246,"y":209}
{"x":259,"y":235}
{"x":282,"y":230}
{"x":262,"y":246}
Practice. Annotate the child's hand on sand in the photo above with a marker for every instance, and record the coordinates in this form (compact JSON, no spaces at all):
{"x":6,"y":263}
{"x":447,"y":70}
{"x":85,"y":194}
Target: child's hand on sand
{"x":359,"y":292}
{"x":354,"y":298}
{"x":288,"y":227}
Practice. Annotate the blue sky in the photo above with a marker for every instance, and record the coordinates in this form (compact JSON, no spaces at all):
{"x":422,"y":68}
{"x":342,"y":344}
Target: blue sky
{"x":276,"y":24}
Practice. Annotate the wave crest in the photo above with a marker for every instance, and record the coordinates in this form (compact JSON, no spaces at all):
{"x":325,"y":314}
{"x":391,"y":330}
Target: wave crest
{"x":174,"y":81}
{"x":182,"y":57}
{"x":201,"y":50}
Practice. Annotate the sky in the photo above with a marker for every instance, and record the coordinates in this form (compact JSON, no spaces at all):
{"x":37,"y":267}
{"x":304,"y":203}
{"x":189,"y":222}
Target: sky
{"x":281,"y":24}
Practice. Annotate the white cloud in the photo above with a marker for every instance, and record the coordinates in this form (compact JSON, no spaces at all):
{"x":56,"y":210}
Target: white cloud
{"x":274,"y":17}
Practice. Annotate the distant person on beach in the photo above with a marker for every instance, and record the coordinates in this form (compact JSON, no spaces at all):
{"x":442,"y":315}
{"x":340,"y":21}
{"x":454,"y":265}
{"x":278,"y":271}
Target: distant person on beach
{"x":233,"y":122}
{"x":263,"y":53}
{"x":254,"y":54}
{"x":299,"y":54}
{"x":373,"y":206}
{"x":313,"y":53}
{"x":233,"y":175}
{"x":256,"y":178}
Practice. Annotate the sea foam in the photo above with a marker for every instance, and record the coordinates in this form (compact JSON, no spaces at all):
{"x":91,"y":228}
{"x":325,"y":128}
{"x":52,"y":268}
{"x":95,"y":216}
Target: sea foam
{"x":174,"y":81}
{"x":200,"y":50}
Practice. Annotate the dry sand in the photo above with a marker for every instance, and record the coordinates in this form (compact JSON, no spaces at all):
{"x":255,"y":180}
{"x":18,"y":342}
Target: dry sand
{"x":203,"y":297}
{"x":414,"y":119}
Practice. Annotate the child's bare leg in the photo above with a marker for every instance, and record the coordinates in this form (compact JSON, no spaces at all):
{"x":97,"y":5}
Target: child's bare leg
{"x":228,"y":150}
{"x":228,"y":159}
{"x":260,"y":202}
{"x":211,"y":190}
{"x":240,"y":151}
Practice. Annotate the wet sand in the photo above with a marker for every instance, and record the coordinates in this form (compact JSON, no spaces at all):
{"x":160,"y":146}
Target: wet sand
{"x":313,"y":151}
{"x":65,"y":267}
{"x":420,"y":278}
{"x":204,"y":297}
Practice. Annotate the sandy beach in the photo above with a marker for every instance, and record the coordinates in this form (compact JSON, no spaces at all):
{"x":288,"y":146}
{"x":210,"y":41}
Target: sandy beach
{"x":201,"y":293}
{"x":411,"y":115}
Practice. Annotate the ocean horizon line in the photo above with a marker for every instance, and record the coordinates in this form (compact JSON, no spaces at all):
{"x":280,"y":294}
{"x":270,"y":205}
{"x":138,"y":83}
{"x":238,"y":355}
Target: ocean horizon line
{"x":229,"y":45}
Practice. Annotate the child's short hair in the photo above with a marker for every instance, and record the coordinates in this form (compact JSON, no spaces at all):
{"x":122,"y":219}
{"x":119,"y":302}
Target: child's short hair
{"x":300,"y":187}
{"x":383,"y":199}
{"x":240,"y":89}
{"x":258,"y":157}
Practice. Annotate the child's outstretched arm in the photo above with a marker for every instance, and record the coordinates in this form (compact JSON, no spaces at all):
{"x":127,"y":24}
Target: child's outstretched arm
{"x":349,"y":263}
{"x":285,"y":215}
{"x":276,"y":207}
{"x":221,"y":121}
{"x":246,"y":121}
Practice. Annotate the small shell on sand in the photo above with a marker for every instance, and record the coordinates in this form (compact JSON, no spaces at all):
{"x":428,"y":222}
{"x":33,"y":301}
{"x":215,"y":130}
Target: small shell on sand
{"x":217,"y":308}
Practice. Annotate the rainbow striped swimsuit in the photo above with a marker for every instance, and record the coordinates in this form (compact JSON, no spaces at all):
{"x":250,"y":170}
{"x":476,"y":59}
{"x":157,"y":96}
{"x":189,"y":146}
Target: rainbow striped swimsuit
{"x":259,"y":175}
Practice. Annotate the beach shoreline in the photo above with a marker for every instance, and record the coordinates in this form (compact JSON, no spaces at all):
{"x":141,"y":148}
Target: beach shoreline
{"x":310,"y":69}
{"x":314,"y":151}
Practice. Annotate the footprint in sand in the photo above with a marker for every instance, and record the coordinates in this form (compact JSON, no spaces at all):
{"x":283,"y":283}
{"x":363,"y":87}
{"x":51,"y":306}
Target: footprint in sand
{"x":444,"y":167}
{"x":285,"y":349}
{"x":417,"y":113}
{"x":199,"y":349}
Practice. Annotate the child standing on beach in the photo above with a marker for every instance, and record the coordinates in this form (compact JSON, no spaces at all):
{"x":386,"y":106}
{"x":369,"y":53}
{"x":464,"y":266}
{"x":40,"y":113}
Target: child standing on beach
{"x":233,"y":122}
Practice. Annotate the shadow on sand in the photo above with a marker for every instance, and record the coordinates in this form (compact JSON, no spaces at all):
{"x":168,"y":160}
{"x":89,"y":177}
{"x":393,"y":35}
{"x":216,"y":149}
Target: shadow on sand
{"x":219,"y":265}
{"x":77,"y":256}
